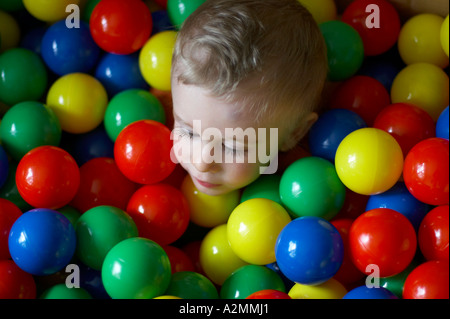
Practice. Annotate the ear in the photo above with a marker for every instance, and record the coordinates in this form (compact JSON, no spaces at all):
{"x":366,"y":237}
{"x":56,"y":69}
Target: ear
{"x":299,"y":132}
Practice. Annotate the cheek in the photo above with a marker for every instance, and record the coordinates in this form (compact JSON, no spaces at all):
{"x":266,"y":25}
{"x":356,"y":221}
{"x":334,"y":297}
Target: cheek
{"x":240,"y":175}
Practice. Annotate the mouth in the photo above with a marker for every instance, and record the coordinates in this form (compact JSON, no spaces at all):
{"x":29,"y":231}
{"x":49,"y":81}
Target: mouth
{"x":206,"y":184}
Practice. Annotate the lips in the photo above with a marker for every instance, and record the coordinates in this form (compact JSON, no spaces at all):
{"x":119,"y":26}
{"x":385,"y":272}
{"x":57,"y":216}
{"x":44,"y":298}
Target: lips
{"x":206,"y":184}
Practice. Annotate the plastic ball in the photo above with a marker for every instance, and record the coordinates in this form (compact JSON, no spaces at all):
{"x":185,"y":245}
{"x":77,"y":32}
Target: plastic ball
{"x":15,"y":283}
{"x":98,"y":230}
{"x":130,"y":106}
{"x":9,"y":31}
{"x":33,"y":39}
{"x":24,"y":76}
{"x":47,"y":177}
{"x":68,"y":50}
{"x":101,"y":183}
{"x":42,"y":241}
{"x":309,"y":250}
{"x":71,"y":213}
{"x":10,"y":192}
{"x":445,"y":35}
{"x":191,"y":285}
{"x":160,"y":211}
{"x":49,"y":10}
{"x":396,"y":283}
{"x":407,"y":123}
{"x":11,"y":5}
{"x":424,"y":85}
{"x":142,"y":152}
{"x":354,"y":205}
{"x":429,"y":280}
{"x":269,"y":294}
{"x":266,"y":186}
{"x":433,"y":234}
{"x":442,"y":126}
{"x":28,"y":125}
{"x":179,"y":10}
{"x":253,"y":228}
{"x":363,"y":292}
{"x":79,"y":101}
{"x":121,"y":27}
{"x":400,"y":199}
{"x":426,"y":171}
{"x":331,"y":289}
{"x":379,"y":26}
{"x":61,"y":291}
{"x":9,"y":213}
{"x":4,"y":165}
{"x":363,"y":95}
{"x":369,"y":161}
{"x":217,"y":258}
{"x":420,"y":40}
{"x":155,"y":60}
{"x":122,"y":273}
{"x":206,"y":210}
{"x":382,"y":237}
{"x":311,"y":187}
{"x":345,"y":49}
{"x":329,"y":131}
{"x":179,"y":260}
{"x":321,"y":10}
{"x":119,"y":72}
{"x":248,"y":280}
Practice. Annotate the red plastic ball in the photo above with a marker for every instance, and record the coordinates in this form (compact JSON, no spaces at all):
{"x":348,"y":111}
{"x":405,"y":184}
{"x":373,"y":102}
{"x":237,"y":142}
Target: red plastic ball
{"x":382,"y":237}
{"x":142,"y":152}
{"x":102,"y":183}
{"x":47,"y":177}
{"x":376,"y":21}
{"x":192,"y":249}
{"x":9,"y":213}
{"x":15,"y":283}
{"x":347,"y":273}
{"x":426,"y":170}
{"x":354,"y":205}
{"x":121,"y":27}
{"x":179,"y":260}
{"x":160,"y":211}
{"x":407,"y":123}
{"x":269,"y":294}
{"x":434,"y":234}
{"x":363,"y":95}
{"x":428,"y":281}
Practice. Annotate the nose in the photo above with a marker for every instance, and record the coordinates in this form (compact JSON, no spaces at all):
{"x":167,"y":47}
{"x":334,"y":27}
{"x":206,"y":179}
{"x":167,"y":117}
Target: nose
{"x":203,"y":160}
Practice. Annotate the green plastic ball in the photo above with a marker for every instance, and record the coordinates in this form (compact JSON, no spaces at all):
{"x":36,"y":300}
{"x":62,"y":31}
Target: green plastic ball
{"x":71,"y":213}
{"x":11,"y":5}
{"x":191,"y":285}
{"x":311,"y":187}
{"x":179,"y":10}
{"x":28,"y":125}
{"x":61,"y":291}
{"x":23,"y":76}
{"x":130,"y":106}
{"x":98,"y":230}
{"x":249,"y":279}
{"x":395,"y":283}
{"x":345,"y":49}
{"x":266,"y":186}
{"x":136,"y":268}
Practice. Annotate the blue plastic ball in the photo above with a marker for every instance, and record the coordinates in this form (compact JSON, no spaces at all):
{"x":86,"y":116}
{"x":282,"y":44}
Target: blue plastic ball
{"x":401,"y":200}
{"x":363,"y":292}
{"x":33,"y":40}
{"x":42,"y":241}
{"x":161,"y":22}
{"x":329,"y":131}
{"x":4,"y":166}
{"x":68,"y":50}
{"x":309,"y":250}
{"x":120,"y":72}
{"x":442,"y":127}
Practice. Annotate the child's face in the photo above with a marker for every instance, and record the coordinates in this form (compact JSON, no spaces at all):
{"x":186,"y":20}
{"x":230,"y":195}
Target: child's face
{"x":196,"y":111}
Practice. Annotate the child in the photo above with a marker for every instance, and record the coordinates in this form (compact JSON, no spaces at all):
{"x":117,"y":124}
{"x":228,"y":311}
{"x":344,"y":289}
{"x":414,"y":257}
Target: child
{"x":244,"y":66}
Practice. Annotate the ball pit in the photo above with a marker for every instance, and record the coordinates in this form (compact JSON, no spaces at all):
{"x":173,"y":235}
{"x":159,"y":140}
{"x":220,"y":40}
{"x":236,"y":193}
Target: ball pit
{"x":92,"y":127}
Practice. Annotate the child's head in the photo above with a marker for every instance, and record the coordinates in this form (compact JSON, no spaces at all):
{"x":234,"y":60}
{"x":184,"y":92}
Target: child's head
{"x":249,"y":64}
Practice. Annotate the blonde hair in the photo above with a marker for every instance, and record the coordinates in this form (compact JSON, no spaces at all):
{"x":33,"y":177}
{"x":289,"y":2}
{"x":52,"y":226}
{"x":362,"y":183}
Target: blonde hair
{"x":267,"y":55}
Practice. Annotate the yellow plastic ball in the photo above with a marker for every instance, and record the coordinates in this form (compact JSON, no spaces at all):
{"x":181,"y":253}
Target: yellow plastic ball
{"x":321,"y":10}
{"x":79,"y":101}
{"x":420,"y":41}
{"x":49,"y":10}
{"x":217,"y":258}
{"x":167,"y":297}
{"x":445,"y":35}
{"x":9,"y":32}
{"x":424,"y":85}
{"x":155,"y":60}
{"x":253,"y":228}
{"x":369,"y":161}
{"x":206,"y":210}
{"x":331,"y":289}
